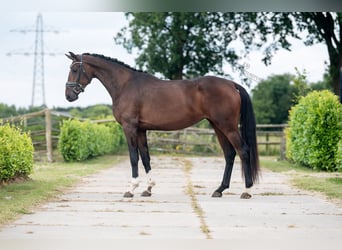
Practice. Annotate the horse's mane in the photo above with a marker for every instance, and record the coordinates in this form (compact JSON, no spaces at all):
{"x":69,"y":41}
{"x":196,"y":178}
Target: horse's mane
{"x":114,"y":60}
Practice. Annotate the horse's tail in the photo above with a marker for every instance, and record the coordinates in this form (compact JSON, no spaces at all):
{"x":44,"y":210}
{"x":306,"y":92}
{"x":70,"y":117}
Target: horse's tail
{"x":248,"y":133}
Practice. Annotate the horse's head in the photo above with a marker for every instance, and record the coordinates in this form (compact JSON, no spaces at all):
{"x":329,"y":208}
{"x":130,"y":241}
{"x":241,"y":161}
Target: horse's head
{"x":79,"y":77}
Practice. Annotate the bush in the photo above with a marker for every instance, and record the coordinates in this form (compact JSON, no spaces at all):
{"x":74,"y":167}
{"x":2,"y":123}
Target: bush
{"x":315,"y":129}
{"x":79,"y":141}
{"x":16,"y":153}
{"x":338,"y":160}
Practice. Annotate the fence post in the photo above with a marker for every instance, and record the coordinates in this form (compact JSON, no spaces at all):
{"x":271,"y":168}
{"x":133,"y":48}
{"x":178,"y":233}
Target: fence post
{"x":267,"y":140}
{"x":283,"y":146}
{"x":48,"y":135}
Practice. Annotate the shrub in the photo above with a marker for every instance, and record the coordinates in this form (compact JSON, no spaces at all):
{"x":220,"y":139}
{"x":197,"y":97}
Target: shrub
{"x":315,"y":129}
{"x":118,"y":134}
{"x":338,"y":160}
{"x":79,"y":141}
{"x":16,"y":153}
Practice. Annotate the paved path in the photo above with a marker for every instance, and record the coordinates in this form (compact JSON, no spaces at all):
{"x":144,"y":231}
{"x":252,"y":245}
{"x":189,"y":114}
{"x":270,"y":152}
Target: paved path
{"x":181,"y":208}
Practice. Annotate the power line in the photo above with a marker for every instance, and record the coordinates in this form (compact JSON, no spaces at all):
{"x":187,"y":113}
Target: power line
{"x":38,"y":85}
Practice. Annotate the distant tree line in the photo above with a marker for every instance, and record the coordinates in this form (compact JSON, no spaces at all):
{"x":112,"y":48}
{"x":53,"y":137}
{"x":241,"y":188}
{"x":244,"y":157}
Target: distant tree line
{"x":12,"y":110}
{"x":99,"y":111}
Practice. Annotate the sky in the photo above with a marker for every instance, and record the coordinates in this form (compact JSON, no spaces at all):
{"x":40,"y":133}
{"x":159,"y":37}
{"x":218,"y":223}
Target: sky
{"x":93,"y":32}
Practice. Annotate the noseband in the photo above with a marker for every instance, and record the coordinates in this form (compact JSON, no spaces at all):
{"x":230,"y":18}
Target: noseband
{"x":77,"y":86}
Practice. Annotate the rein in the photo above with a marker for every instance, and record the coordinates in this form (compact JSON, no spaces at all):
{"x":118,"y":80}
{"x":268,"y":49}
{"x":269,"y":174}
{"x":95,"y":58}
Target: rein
{"x":77,"y":86}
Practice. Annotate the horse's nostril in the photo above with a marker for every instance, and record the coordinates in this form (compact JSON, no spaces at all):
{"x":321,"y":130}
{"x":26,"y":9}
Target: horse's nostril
{"x":71,"y":98}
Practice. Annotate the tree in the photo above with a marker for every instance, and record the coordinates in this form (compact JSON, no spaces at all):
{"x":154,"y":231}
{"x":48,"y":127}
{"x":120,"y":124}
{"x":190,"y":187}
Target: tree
{"x":319,"y":27}
{"x":325,"y":83}
{"x":179,"y":44}
{"x":325,"y":27}
{"x":190,"y":44}
{"x":7,"y":111}
{"x":99,"y":111}
{"x":183,"y":44}
{"x":272,"y":98}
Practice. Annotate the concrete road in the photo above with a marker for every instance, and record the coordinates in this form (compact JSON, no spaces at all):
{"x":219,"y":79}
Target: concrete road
{"x":181,"y":207}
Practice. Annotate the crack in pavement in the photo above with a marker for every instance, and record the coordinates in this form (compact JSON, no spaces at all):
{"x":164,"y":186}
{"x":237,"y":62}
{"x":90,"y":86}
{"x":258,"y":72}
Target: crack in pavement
{"x":194,"y":203}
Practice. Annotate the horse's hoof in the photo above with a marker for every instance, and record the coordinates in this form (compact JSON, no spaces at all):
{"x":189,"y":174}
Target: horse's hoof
{"x":245,"y":196}
{"x":216,"y":194}
{"x":146,"y":193}
{"x":128,"y":195}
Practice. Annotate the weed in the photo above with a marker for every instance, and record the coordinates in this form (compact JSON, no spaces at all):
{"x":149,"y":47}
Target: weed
{"x":194,"y":203}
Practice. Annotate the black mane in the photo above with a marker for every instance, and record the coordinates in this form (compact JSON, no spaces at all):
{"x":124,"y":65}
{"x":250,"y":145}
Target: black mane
{"x":114,"y":60}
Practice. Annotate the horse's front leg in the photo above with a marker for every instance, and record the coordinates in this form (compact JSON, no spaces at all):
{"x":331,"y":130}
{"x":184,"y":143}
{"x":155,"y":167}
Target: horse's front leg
{"x":132,"y":141}
{"x":145,"y":157}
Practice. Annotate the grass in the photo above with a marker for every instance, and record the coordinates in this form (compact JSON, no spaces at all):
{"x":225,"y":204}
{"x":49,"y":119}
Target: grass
{"x":47,"y":181}
{"x":327,"y":183}
{"x":275,"y":165}
{"x":331,"y":187}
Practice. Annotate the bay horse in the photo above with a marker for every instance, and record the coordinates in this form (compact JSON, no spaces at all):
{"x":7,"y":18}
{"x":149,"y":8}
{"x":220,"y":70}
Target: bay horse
{"x":143,"y":102}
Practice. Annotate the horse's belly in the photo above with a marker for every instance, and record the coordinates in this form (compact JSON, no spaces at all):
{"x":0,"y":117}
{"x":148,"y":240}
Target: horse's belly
{"x":168,"y":122}
{"x":171,"y":110}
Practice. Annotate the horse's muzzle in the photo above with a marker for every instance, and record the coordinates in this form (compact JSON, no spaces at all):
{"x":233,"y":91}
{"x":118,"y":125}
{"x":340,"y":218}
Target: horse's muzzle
{"x":72,"y":90}
{"x":70,"y":95}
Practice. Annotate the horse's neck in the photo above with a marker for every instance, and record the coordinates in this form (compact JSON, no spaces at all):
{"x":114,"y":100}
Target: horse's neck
{"x":113,"y":76}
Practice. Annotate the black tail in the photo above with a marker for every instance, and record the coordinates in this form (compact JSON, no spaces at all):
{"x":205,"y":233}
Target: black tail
{"x":248,"y":132}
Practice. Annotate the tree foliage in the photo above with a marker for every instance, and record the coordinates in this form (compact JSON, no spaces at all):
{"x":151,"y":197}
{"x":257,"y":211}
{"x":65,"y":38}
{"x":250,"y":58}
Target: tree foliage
{"x":324,"y":27}
{"x":190,"y":44}
{"x":316,"y":27}
{"x":99,"y":111}
{"x":179,"y":44}
{"x":272,"y":98}
{"x":185,"y":44}
{"x":11,"y":110}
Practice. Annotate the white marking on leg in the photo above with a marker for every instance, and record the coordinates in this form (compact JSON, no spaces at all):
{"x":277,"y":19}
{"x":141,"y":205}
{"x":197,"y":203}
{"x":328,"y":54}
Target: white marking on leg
{"x":150,"y":180}
{"x":248,"y":190}
{"x":134,"y":184}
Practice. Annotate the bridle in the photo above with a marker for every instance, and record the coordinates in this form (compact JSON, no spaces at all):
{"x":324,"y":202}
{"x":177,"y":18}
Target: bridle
{"x":77,"y":86}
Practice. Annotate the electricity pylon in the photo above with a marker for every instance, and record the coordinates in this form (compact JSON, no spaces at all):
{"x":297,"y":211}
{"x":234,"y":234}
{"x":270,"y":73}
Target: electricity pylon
{"x":38,"y":85}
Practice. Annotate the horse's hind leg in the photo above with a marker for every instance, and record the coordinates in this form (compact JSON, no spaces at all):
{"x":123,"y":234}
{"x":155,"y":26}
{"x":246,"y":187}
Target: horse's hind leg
{"x":243,"y":151}
{"x":145,"y":157}
{"x":235,"y":141}
{"x":229,"y":155}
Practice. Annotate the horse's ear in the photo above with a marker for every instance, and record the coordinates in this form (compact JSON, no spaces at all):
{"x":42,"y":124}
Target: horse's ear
{"x":71,"y":56}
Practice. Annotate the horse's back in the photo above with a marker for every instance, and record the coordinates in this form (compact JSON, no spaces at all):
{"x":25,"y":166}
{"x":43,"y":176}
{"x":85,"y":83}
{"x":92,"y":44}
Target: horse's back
{"x":170,"y":105}
{"x":219,"y":90}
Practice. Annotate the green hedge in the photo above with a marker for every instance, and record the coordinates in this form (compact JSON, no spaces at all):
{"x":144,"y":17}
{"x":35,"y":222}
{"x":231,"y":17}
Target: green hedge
{"x":79,"y":141}
{"x":16,"y":153}
{"x":315,"y":132}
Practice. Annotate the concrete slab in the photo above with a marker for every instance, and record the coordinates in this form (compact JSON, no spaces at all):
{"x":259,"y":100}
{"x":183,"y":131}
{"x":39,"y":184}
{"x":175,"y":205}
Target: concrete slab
{"x":95,"y":209}
{"x":276,"y":210}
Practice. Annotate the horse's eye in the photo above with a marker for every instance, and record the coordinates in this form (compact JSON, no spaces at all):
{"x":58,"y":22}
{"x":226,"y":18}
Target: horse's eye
{"x":74,"y":70}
